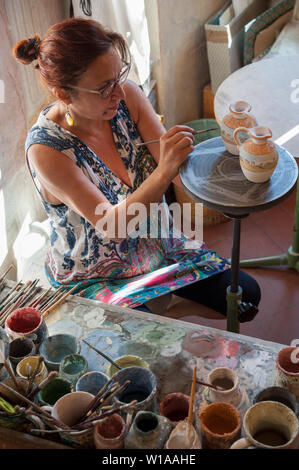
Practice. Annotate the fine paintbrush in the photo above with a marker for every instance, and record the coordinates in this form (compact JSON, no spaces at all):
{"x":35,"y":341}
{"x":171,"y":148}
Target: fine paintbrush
{"x":194,"y":133}
{"x":102,"y":354}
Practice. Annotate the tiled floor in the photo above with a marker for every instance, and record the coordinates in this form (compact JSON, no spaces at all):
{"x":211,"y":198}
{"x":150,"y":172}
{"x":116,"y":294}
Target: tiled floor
{"x":264,"y":233}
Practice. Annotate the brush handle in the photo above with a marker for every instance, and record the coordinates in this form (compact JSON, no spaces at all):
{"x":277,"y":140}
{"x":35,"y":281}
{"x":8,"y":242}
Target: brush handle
{"x":194,"y":133}
{"x":102,"y":354}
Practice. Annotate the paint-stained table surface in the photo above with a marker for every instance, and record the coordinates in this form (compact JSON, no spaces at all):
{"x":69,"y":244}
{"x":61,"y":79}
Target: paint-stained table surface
{"x":171,"y":347}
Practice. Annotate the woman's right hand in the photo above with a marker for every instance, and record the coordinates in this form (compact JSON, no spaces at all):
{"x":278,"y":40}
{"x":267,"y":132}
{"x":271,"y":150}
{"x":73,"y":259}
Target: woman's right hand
{"x":175,"y":146}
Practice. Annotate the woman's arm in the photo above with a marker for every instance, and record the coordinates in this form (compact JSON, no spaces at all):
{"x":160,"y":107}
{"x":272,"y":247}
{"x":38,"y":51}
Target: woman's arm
{"x":145,"y":117}
{"x":66,"y":181}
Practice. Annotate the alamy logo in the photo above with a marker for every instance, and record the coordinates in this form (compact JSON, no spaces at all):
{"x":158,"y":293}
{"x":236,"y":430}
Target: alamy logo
{"x":295,"y":353}
{"x":152,"y":222}
{"x":295,"y":93}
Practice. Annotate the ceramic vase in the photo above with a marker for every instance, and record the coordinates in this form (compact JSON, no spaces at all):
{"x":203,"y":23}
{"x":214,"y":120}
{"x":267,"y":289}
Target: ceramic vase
{"x":148,"y":431}
{"x":258,"y":154}
{"x":237,"y":117}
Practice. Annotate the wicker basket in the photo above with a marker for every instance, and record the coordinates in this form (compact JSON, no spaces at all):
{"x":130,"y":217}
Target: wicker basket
{"x":210,"y":217}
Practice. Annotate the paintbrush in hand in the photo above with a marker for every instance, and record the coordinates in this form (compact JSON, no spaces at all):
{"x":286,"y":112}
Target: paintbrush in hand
{"x":194,"y":133}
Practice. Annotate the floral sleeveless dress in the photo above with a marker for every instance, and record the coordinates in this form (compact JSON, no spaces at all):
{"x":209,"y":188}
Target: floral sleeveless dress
{"x":128,"y":272}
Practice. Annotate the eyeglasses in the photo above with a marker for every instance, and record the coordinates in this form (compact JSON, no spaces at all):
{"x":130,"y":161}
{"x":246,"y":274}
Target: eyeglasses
{"x":108,"y":89}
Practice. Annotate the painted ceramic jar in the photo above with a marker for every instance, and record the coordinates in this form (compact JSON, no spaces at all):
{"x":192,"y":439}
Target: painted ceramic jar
{"x":258,"y":154}
{"x":148,"y":431}
{"x":287,"y":369}
{"x":228,"y":380}
{"x":237,"y":117}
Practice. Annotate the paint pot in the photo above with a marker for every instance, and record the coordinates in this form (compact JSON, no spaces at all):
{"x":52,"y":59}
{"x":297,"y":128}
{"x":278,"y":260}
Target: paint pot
{"x":31,"y":361}
{"x":148,"y":431}
{"x":92,"y":382}
{"x":220,"y":426}
{"x":228,"y":380}
{"x":55,"y":348}
{"x":72,"y":367}
{"x":20,"y":348}
{"x":68,"y":409}
{"x":110,"y":433}
{"x":287,"y":370}
{"x":175,"y":407}
{"x":279,"y":394}
{"x":54,"y":390}
{"x":27,"y":322}
{"x":127,"y":361}
{"x":142,"y":387}
{"x":269,"y":425}
{"x":183,"y":436}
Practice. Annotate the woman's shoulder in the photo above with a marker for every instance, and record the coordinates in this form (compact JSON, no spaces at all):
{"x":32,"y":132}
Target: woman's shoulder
{"x":134,"y":99}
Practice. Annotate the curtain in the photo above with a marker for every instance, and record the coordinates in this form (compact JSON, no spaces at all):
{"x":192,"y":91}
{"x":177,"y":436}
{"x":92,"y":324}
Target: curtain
{"x":126,"y":17}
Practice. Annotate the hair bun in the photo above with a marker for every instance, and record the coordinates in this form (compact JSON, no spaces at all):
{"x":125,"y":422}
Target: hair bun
{"x":27,"y":50}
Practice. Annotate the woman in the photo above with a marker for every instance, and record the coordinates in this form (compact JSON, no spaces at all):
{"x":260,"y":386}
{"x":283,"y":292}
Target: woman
{"x":83,"y":156}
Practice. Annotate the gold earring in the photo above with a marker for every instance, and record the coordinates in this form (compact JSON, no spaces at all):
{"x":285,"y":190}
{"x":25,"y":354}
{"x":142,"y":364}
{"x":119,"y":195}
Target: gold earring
{"x":68,"y":117}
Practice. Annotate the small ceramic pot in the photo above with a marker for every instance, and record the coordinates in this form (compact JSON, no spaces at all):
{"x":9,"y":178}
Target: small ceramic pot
{"x":237,"y":117}
{"x":91,"y":382}
{"x":142,"y":387}
{"x":228,"y":380}
{"x":54,"y":390}
{"x":30,"y":363}
{"x":279,"y":394}
{"x":287,"y":370}
{"x":183,"y":436}
{"x":269,"y":425}
{"x":258,"y":154}
{"x":148,"y":431}
{"x":20,"y":348}
{"x":175,"y":407}
{"x":68,"y":409}
{"x":127,"y":361}
{"x":220,"y":426}
{"x":27,"y":322}
{"x":72,"y":367}
{"x":56,"y":347}
{"x":110,"y":434}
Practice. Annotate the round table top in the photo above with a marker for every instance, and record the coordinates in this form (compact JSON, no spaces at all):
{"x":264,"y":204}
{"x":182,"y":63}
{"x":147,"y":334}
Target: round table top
{"x":269,"y":85}
{"x":213,"y":176}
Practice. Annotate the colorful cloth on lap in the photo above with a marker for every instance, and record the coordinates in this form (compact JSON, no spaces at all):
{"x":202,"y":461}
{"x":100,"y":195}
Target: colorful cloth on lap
{"x":128,"y":272}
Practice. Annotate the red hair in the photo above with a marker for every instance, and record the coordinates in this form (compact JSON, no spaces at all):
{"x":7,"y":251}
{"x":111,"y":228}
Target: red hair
{"x":67,"y":50}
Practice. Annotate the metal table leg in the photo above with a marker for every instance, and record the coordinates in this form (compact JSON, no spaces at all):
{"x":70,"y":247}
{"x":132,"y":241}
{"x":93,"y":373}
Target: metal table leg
{"x":289,"y":259}
{"x":234,"y":291}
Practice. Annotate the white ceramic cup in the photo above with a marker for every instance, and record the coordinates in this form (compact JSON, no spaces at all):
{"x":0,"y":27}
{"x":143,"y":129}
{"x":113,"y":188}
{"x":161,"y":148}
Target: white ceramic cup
{"x":269,"y":425}
{"x":231,"y":395}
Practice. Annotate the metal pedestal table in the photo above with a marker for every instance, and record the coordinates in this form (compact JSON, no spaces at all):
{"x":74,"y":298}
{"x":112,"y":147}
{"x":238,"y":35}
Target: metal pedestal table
{"x":274,"y":106}
{"x":213,"y":176}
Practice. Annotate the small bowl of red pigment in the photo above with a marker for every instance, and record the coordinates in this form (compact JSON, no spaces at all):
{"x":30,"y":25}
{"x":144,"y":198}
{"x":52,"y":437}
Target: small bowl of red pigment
{"x":26,"y":322}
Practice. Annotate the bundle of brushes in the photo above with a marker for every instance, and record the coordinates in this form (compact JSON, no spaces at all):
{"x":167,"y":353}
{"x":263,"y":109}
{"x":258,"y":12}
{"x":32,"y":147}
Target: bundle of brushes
{"x":98,"y":409}
{"x":29,"y":295}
